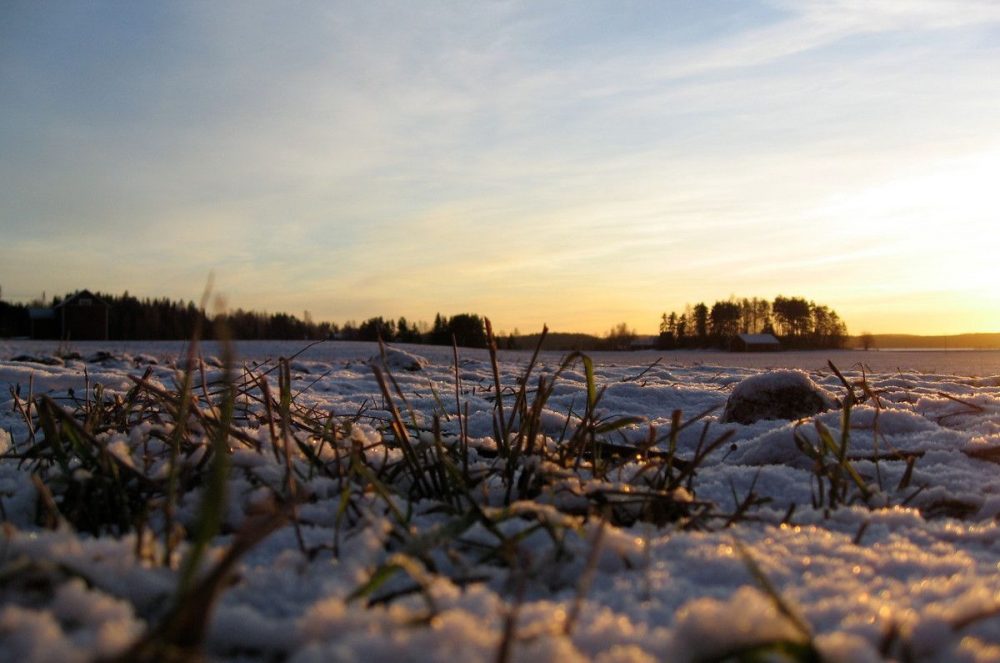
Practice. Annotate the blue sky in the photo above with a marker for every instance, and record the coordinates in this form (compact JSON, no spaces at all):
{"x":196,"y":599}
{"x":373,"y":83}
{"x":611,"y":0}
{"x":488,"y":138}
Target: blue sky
{"x":574,"y":163}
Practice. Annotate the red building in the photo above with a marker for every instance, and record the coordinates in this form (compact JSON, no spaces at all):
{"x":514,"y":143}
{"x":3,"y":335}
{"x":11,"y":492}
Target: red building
{"x":82,"y":317}
{"x":755,"y":343}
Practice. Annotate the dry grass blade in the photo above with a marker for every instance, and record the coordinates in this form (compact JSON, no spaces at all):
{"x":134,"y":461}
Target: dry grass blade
{"x":503,"y":431}
{"x":178,"y":637}
{"x":213,"y":500}
{"x":520,"y":402}
{"x":586,"y":578}
{"x":635,"y":378}
{"x":509,"y":635}
{"x":782,"y":606}
{"x":53,"y":519}
{"x":972,"y":406}
{"x":403,"y":438}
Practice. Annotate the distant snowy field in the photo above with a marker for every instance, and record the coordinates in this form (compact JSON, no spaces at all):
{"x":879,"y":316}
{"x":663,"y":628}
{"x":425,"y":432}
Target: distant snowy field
{"x":914,"y":574}
{"x":945,"y":362}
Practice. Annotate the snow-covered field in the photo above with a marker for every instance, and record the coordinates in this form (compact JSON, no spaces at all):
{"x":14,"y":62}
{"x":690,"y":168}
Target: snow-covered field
{"x":559,"y":546}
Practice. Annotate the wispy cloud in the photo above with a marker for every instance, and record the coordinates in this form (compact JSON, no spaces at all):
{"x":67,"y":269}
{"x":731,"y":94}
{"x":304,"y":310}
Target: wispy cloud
{"x":385,"y":158}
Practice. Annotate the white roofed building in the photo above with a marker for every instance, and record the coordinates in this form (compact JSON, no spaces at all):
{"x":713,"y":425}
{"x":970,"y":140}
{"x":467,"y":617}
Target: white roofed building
{"x":756,"y":343}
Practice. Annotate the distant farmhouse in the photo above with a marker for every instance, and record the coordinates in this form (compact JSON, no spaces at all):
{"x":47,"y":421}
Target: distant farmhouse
{"x":755,"y":343}
{"x":643,"y":343}
{"x":82,"y":317}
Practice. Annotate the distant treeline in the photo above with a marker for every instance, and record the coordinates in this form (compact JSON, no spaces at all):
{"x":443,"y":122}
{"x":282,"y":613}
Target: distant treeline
{"x":468,"y":330}
{"x":901,"y":341}
{"x":798,"y":323}
{"x":132,"y":318}
{"x":14,"y":320}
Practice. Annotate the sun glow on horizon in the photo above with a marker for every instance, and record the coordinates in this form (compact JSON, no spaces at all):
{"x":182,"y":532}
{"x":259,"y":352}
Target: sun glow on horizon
{"x":402,"y":159}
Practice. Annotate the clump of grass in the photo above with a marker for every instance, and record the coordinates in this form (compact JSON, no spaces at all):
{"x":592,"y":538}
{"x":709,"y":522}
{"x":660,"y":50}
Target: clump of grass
{"x":105,"y":479}
{"x":833,"y":471}
{"x":526,"y":464}
{"x":130,"y":459}
{"x":114,"y":464}
{"x":836,"y":480}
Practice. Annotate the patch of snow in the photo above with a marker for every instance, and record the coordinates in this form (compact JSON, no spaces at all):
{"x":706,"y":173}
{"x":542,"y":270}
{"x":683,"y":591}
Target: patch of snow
{"x":923,"y":559}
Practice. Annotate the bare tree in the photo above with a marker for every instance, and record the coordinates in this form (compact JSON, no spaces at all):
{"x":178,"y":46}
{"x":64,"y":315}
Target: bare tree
{"x":620,"y":337}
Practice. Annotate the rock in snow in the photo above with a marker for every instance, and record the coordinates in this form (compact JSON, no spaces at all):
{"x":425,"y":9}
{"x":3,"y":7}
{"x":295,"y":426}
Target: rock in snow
{"x":776,"y":395}
{"x":396,"y":359}
{"x":32,"y":359}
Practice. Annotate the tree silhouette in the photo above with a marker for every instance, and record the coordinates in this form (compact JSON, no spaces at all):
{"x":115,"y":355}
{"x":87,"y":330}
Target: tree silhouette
{"x":799,"y":323}
{"x":620,"y":337}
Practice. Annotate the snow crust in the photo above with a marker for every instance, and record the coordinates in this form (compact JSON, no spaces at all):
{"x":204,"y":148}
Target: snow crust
{"x":918,"y":567}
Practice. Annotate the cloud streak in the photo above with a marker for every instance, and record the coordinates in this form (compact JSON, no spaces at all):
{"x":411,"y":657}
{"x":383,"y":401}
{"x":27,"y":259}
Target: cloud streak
{"x":580,"y":162}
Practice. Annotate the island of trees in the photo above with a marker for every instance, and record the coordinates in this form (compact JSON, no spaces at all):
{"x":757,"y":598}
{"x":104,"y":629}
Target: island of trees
{"x":796,"y":322}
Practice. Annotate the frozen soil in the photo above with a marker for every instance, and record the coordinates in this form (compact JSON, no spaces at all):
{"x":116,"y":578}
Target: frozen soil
{"x":770,"y":545}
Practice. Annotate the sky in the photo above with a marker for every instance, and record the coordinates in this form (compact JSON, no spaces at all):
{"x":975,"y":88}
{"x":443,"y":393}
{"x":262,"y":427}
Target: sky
{"x":575,"y":163}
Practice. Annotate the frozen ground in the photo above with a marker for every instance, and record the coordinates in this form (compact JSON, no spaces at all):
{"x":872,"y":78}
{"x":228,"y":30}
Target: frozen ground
{"x":948,"y":362}
{"x":748,"y":556}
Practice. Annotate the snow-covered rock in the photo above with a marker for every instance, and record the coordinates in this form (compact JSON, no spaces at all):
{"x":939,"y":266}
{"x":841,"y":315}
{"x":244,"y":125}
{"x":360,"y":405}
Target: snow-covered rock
{"x":396,"y":359}
{"x":783,"y":394}
{"x":46,"y":360}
